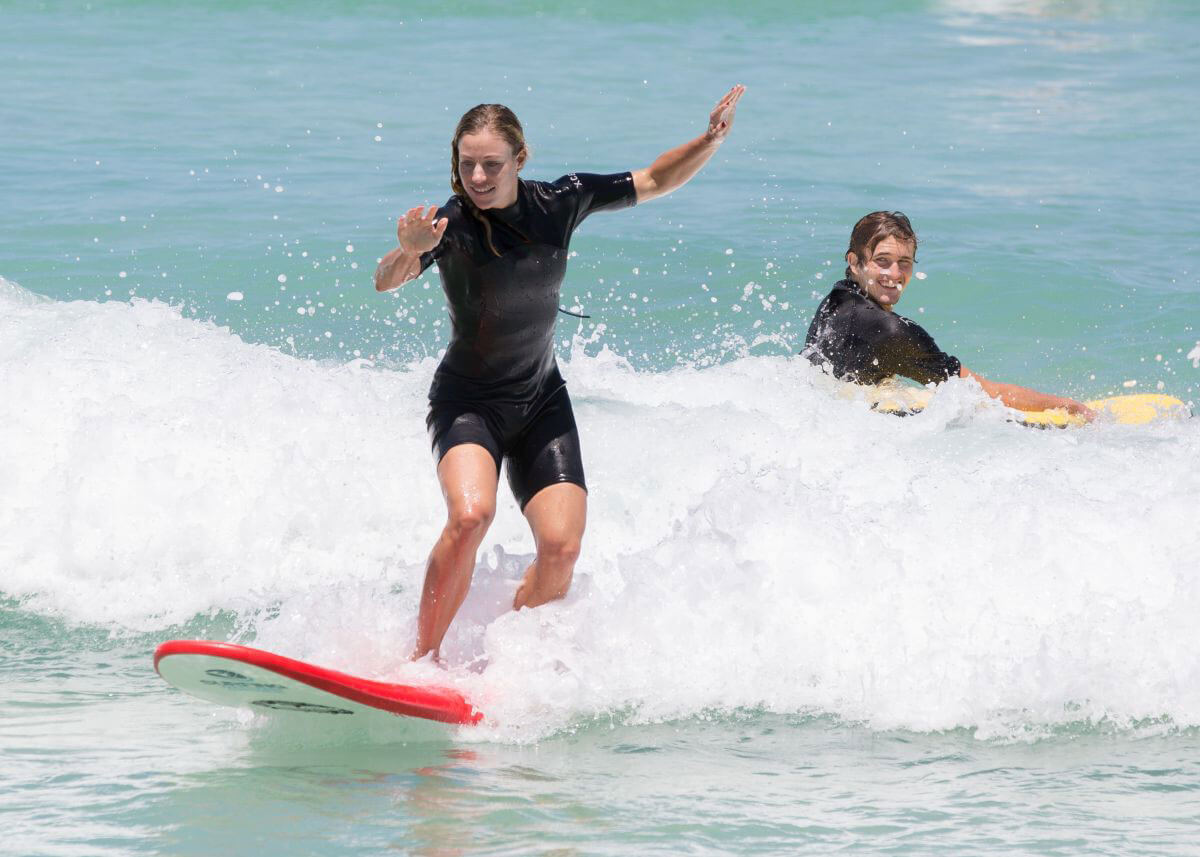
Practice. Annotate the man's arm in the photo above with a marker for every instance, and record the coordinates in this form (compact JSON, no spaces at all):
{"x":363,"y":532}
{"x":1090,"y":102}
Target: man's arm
{"x":1025,"y":399}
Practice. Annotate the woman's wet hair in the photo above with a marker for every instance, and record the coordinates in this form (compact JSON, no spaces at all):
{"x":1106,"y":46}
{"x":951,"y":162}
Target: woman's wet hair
{"x":873,"y":228}
{"x":493,"y":117}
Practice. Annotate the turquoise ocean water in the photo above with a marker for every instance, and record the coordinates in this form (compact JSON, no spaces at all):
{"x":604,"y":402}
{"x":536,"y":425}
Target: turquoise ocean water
{"x":797,"y":626}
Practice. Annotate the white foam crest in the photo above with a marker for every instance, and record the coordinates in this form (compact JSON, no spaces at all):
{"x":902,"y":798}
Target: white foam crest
{"x":754,"y":541}
{"x":156,"y":467}
{"x":806,"y":555}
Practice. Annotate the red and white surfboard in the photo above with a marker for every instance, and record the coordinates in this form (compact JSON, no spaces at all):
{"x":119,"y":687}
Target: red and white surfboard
{"x":229,"y":674}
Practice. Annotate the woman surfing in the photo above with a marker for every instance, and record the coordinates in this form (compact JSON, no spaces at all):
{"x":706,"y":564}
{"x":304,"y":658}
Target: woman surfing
{"x":501,"y":245}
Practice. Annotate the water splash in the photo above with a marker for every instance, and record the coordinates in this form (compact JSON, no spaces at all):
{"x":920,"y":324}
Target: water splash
{"x":755,"y":541}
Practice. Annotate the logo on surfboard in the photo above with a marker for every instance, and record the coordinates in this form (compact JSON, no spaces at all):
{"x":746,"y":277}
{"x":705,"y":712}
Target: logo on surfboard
{"x":306,"y":707}
{"x":230,"y":680}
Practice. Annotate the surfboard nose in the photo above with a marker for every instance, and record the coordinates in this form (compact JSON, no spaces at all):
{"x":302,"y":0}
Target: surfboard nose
{"x":245,"y":677}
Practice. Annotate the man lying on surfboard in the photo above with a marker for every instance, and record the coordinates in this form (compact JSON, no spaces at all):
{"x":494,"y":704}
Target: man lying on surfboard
{"x":857,"y":336}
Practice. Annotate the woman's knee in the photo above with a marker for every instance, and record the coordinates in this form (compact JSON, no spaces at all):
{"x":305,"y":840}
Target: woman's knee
{"x":469,"y":521}
{"x":559,"y":549}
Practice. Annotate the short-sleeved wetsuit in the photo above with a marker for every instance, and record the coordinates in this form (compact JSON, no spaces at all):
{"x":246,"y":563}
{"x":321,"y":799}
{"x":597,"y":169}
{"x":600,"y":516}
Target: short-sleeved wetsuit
{"x":860,"y":341}
{"x":498,"y":384}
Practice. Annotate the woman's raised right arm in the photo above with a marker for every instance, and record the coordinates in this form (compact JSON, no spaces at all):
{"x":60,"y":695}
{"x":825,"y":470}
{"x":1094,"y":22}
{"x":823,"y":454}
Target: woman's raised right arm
{"x":418,"y":233}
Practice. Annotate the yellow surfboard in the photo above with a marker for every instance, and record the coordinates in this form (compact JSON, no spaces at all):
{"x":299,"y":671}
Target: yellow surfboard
{"x":1136,"y":409}
{"x":1133,"y":410}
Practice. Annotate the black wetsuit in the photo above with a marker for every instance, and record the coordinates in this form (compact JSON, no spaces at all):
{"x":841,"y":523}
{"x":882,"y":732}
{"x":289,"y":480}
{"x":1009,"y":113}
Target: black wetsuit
{"x":498,"y":384}
{"x":858,"y":340}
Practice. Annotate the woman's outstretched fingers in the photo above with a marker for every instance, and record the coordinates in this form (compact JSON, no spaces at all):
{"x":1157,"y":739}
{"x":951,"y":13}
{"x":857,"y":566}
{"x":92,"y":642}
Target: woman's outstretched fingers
{"x":721,"y":118}
{"x":419,"y":230}
{"x":405,"y":220}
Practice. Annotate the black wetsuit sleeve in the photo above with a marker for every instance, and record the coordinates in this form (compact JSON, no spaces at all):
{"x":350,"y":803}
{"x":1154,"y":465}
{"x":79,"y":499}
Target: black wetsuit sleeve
{"x":582,"y":194}
{"x":910,"y":351}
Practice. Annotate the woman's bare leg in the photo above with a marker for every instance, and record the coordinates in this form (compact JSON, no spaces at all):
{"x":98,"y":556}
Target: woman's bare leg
{"x":468,"y":477}
{"x":557,"y":514}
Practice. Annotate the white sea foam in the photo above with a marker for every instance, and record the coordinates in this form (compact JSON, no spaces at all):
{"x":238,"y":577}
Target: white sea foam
{"x":755,"y":540}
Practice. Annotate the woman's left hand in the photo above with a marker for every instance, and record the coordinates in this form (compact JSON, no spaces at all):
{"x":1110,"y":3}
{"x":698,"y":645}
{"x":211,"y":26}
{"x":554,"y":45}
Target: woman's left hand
{"x":672,"y":169}
{"x":721,"y":118}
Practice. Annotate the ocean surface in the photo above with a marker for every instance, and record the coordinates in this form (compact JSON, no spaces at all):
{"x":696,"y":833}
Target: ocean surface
{"x":797,"y":627}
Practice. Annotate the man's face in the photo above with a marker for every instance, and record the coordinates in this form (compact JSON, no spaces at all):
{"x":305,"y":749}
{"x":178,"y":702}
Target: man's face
{"x":885,"y":274}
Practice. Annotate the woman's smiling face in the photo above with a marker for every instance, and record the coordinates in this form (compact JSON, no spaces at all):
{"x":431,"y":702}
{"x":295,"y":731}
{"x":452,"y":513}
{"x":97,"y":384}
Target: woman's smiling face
{"x":487,"y":168}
